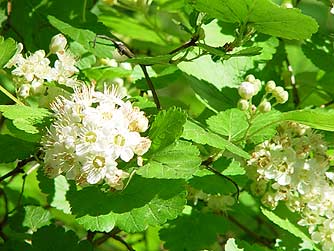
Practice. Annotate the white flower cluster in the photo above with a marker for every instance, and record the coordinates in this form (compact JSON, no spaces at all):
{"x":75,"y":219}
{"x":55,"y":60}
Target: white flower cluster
{"x":293,"y":167}
{"x":91,"y":133}
{"x":34,"y":69}
{"x":251,"y":87}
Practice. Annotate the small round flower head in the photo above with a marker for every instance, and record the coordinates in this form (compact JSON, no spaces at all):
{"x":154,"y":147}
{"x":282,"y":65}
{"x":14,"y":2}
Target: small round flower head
{"x":250,"y":78}
{"x":264,"y":106}
{"x":270,"y":86}
{"x":246,"y":90}
{"x":282,"y":97}
{"x":58,"y":43}
{"x":91,"y":133}
{"x":243,"y":104}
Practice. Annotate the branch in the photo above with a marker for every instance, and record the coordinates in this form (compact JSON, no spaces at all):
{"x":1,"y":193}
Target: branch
{"x":124,"y":50}
{"x":18,"y":169}
{"x":190,"y":43}
{"x":226,"y":178}
{"x":261,"y":239}
{"x":5,"y":219}
{"x":128,"y":246}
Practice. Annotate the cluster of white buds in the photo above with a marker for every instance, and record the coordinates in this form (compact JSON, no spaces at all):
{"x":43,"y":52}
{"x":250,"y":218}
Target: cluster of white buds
{"x":92,"y":132}
{"x":293,"y":167}
{"x":217,"y":203}
{"x":251,"y":87}
{"x":34,"y":69}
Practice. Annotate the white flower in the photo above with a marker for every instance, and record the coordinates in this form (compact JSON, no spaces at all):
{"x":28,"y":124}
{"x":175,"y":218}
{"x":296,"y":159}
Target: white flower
{"x":91,"y":133}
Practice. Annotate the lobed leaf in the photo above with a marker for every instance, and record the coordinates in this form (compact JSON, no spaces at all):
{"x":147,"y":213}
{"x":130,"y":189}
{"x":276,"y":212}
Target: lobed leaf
{"x":199,"y":135}
{"x":25,"y":118}
{"x":231,"y":123}
{"x":193,"y":232}
{"x":7,"y":50}
{"x":177,"y":161}
{"x":322,"y":119}
{"x":166,"y":128}
{"x":264,"y":15}
{"x":15,"y":149}
{"x":36,"y":217}
{"x":144,"y":202}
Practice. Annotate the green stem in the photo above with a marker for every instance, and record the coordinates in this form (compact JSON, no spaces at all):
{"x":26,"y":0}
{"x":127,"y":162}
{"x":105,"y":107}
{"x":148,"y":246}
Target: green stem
{"x":9,"y":95}
{"x":84,"y":11}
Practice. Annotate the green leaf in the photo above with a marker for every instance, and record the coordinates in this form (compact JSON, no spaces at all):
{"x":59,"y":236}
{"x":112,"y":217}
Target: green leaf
{"x":203,"y":227}
{"x":231,"y":72}
{"x":132,"y":28}
{"x":54,"y":238}
{"x":264,"y":126}
{"x":251,"y":51}
{"x":177,"y":161}
{"x":320,"y":50}
{"x":144,"y":202}
{"x":282,"y":22}
{"x":84,"y":37}
{"x":163,"y":59}
{"x":212,"y":184}
{"x":24,"y":117}
{"x":288,"y":226}
{"x":101,"y":73}
{"x":231,"y":123}
{"x":322,"y":119}
{"x":234,"y":168}
{"x":199,"y":135}
{"x":166,"y":128}
{"x":102,"y":223}
{"x":213,"y":98}
{"x":7,"y":50}
{"x":36,"y":217}
{"x":231,"y":245}
{"x":14,"y":149}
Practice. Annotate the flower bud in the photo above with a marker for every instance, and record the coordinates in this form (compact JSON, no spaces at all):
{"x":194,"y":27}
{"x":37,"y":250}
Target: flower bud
{"x":250,"y":78}
{"x":264,"y":107}
{"x":282,"y":97}
{"x":270,"y":86}
{"x":58,"y":43}
{"x":243,"y":104}
{"x":257,"y":85}
{"x":277,"y":91}
{"x":246,"y":90}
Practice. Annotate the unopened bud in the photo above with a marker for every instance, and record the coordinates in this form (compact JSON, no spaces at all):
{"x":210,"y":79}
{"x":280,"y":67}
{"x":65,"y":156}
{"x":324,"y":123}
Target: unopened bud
{"x":243,"y":104}
{"x":257,"y":85}
{"x":58,"y":43}
{"x":277,"y":91}
{"x":270,"y":86}
{"x":264,"y":107}
{"x":282,"y":97}
{"x":250,"y":78}
{"x":246,"y":90}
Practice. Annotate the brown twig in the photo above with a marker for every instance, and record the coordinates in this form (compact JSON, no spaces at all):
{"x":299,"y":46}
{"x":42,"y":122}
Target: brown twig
{"x":207,"y":163}
{"x":5,"y":219}
{"x":190,"y":43}
{"x":18,"y":169}
{"x":255,"y":236}
{"x":124,"y":50}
